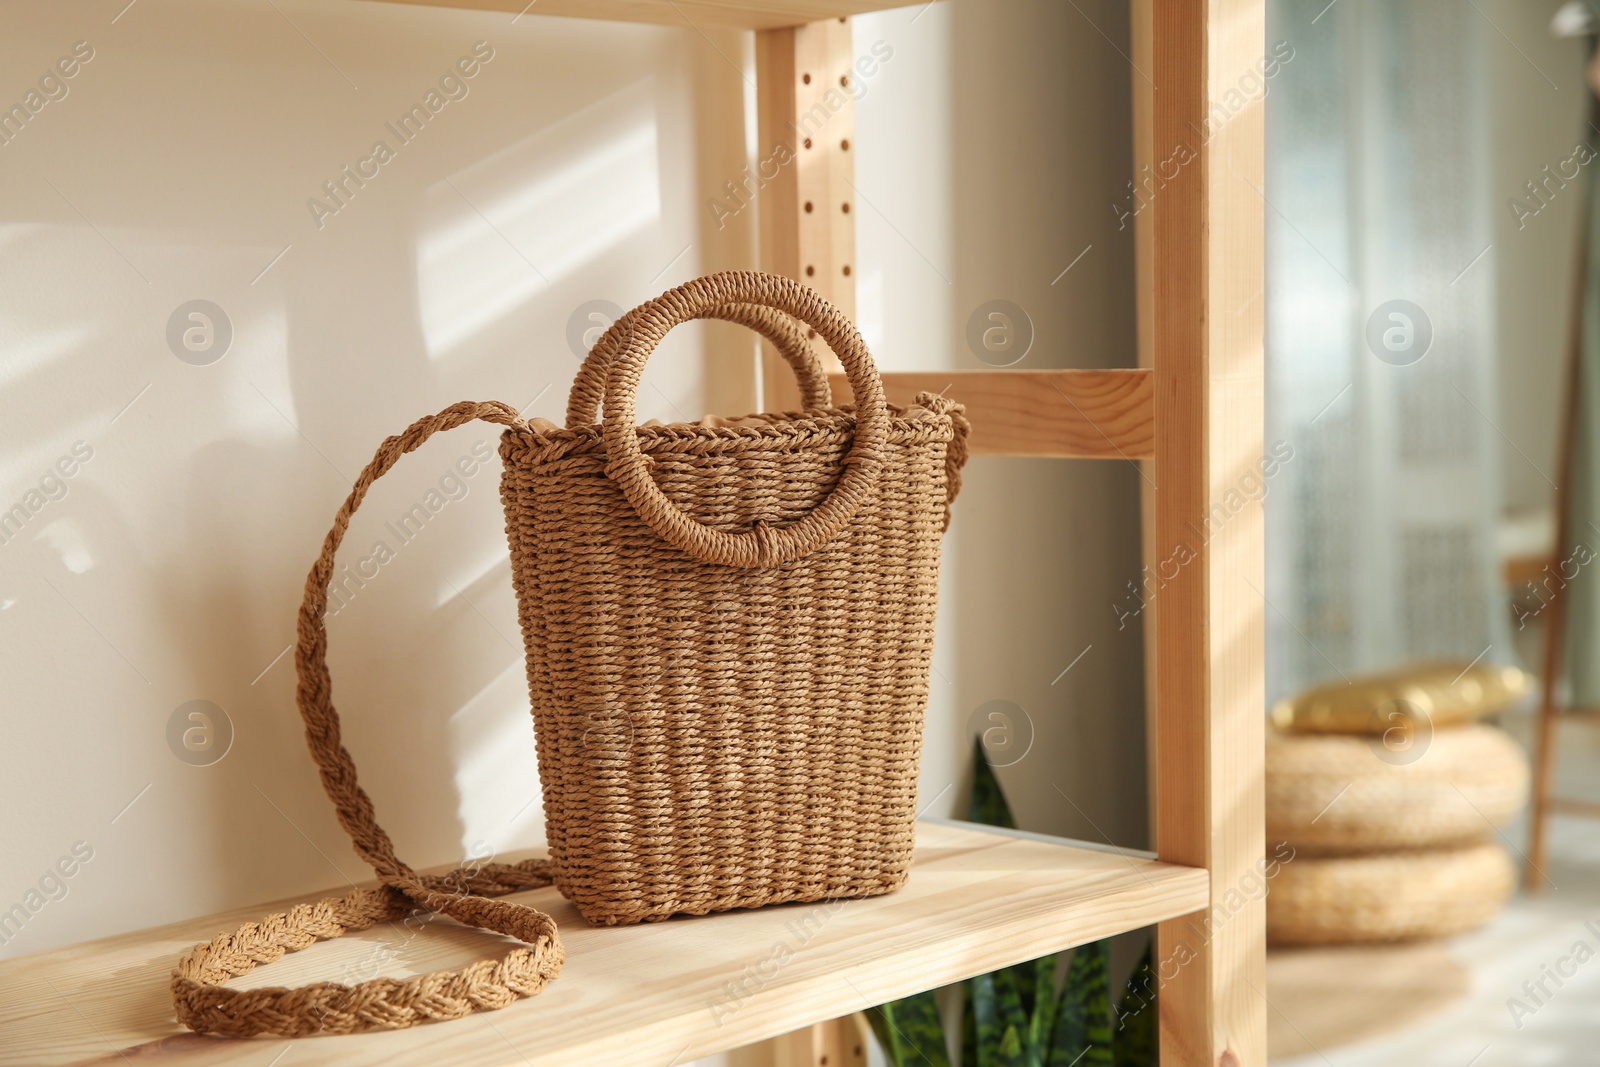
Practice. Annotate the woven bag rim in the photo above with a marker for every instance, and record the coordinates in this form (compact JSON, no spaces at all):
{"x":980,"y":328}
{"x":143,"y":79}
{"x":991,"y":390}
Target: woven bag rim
{"x":778,"y":424}
{"x":789,"y":425}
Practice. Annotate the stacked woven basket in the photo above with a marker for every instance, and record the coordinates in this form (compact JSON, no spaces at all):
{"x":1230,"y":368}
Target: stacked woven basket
{"x":1389,"y":791}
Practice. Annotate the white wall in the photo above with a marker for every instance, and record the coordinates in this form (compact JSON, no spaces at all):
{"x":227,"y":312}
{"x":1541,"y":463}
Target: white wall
{"x":178,"y":167}
{"x":1539,"y":108}
{"x":991,"y":149}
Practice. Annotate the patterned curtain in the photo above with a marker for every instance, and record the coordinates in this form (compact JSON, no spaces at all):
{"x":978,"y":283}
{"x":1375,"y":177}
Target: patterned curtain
{"x":1380,"y":360}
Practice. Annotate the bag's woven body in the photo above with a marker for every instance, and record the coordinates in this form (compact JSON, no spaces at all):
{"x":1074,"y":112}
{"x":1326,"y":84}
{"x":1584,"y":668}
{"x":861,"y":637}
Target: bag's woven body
{"x":713,"y":737}
{"x":729,"y":629}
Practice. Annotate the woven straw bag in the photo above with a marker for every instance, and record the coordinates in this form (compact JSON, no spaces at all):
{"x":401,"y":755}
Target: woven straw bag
{"x":729,"y":628}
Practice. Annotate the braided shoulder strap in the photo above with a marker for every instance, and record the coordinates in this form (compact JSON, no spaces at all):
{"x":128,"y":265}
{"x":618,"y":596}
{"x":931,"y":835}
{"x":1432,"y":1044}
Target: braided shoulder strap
{"x":206,"y":1006}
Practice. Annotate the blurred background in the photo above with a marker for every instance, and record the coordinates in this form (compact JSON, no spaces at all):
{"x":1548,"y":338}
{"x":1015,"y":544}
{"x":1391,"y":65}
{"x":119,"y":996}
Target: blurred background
{"x":1429,"y":196}
{"x":175,"y":474}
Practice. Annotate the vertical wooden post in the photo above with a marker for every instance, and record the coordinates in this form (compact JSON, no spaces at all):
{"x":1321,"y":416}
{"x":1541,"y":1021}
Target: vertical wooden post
{"x":1144,"y":277}
{"x":1555,"y":622}
{"x":1209,"y":214}
{"x":806,"y":122}
{"x":837,"y":1043}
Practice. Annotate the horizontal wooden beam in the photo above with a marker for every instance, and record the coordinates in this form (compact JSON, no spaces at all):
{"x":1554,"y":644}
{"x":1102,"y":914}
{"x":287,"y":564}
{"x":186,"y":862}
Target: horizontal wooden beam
{"x":1082,"y":414}
{"x":735,"y":14}
{"x":1572,"y":806}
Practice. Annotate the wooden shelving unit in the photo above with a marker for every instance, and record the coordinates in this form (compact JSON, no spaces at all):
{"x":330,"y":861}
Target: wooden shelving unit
{"x":654,"y":995}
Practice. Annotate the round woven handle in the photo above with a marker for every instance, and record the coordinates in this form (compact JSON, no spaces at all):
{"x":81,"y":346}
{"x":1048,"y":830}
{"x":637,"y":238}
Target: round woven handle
{"x":204,"y":1004}
{"x":588,"y":388}
{"x":764,"y":546}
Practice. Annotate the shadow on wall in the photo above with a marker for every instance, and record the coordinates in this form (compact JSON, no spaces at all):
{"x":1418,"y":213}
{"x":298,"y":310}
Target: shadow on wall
{"x":1045,"y":549}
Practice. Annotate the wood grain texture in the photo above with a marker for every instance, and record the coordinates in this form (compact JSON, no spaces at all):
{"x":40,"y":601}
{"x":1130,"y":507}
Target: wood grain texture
{"x":1086,"y":414}
{"x":1209,"y":625}
{"x":835,"y":1043}
{"x":1144,"y":281}
{"x":805,"y":125}
{"x":643,"y":995}
{"x":735,"y":14}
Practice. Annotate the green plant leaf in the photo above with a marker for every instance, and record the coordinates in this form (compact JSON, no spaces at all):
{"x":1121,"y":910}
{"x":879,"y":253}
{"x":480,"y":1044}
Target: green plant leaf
{"x":910,"y":1031}
{"x":969,"y":1026}
{"x":997,"y":1015}
{"x":988,"y":804}
{"x":1134,"y":1039}
{"x":1008,"y":996}
{"x":1024,"y":979}
{"x":1083,"y":1021}
{"x":1042,"y":1012}
{"x":878,"y":1019}
{"x":1010,"y":1052}
{"x":986,"y":1021}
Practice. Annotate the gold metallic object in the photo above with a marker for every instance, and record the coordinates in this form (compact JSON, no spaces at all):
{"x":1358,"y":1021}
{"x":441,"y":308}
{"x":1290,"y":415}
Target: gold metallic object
{"x":1441,"y":693}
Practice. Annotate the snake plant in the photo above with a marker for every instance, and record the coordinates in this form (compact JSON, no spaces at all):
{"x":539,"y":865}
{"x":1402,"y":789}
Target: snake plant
{"x":1017,"y":1016}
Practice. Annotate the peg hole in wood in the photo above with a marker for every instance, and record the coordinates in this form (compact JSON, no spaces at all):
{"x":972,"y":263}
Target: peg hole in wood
{"x":847,"y":270}
{"x":845,"y":207}
{"x":810,"y":271}
{"x":808,"y":142}
{"x":806,"y":78}
{"x":808,"y":207}
{"x":844,"y":81}
{"x":844,"y":145}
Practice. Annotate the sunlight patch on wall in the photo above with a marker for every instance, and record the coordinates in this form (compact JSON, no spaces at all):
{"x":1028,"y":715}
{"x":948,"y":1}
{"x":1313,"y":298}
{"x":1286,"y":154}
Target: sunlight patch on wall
{"x":29,"y":351}
{"x":67,"y":544}
{"x":257,"y":398}
{"x":501,"y":231}
{"x":494,"y":569}
{"x":497,"y":770}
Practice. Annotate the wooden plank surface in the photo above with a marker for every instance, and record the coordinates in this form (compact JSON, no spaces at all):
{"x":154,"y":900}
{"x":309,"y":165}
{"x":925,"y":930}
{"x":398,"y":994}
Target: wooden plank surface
{"x":1087,"y":414}
{"x":737,"y":14}
{"x":1144,"y":281}
{"x":805,"y":126}
{"x":835,"y":1043}
{"x":1209,"y":624}
{"x":650,"y":995}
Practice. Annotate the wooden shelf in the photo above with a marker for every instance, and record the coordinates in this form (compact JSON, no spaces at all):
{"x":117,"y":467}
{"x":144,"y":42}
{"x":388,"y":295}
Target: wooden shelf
{"x":737,"y":14}
{"x":656,"y":994}
{"x":1082,"y":414}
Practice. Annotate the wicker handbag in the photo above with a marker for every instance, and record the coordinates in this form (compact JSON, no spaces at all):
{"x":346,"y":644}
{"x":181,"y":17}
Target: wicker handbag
{"x":729,"y":627}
